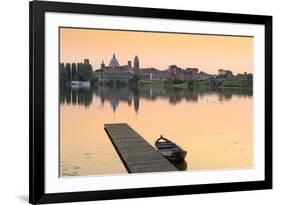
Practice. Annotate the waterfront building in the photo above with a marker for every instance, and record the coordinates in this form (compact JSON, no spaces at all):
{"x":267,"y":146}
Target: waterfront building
{"x":86,"y":61}
{"x":114,"y":65}
{"x":116,"y":71}
{"x":191,"y":74}
{"x":102,"y":66}
{"x":245,"y":76}
{"x":222,"y":73}
{"x":153,"y":74}
{"x":204,"y":76}
{"x":114,"y":62}
{"x":129,"y":64}
{"x":183,"y":74}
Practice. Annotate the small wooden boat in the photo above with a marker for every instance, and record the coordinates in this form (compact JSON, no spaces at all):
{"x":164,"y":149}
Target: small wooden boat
{"x":170,"y":150}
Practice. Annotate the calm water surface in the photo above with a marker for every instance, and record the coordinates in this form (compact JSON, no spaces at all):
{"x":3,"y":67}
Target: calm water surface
{"x":215,"y":127}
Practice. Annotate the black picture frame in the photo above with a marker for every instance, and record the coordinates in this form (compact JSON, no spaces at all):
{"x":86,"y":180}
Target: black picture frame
{"x":37,"y":11}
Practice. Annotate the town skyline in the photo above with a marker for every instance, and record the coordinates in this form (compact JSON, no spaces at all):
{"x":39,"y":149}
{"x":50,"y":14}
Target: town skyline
{"x":208,"y":53}
{"x":107,"y":65}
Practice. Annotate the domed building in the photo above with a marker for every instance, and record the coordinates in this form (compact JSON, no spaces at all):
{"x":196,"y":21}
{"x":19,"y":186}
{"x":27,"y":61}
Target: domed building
{"x":114,"y":65}
{"x":114,"y":62}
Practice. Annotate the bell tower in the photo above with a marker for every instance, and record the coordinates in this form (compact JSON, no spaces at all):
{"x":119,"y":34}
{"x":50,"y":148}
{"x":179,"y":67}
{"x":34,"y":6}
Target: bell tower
{"x":102,"y":65}
{"x":136,"y":63}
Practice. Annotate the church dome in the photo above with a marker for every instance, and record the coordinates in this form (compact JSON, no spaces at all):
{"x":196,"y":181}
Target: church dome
{"x":114,"y":62}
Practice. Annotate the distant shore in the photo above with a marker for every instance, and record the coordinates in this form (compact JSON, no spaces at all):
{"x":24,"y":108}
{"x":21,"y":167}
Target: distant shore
{"x":227,"y":84}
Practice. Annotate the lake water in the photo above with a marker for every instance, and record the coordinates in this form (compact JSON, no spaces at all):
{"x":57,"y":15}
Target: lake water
{"x":214,"y":127}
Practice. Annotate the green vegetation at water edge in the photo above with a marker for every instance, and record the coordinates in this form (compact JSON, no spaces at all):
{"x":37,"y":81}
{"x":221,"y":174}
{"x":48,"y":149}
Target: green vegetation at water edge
{"x":237,"y":84}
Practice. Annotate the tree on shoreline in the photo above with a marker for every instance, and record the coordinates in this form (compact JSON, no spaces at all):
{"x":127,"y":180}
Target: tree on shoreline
{"x":72,"y":72}
{"x":134,"y":79}
{"x":62,"y":73}
{"x":85,"y":72}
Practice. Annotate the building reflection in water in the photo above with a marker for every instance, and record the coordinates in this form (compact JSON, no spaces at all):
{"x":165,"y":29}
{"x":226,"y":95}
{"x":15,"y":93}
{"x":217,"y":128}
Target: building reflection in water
{"x":133,"y":95}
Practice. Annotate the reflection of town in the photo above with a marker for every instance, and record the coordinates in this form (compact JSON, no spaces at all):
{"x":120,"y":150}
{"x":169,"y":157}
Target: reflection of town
{"x":133,"y":95}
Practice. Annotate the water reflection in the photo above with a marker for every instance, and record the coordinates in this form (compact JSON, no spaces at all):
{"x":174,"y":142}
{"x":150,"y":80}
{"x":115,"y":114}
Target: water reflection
{"x":213,"y":126}
{"x":133,"y":95}
{"x":79,"y":96}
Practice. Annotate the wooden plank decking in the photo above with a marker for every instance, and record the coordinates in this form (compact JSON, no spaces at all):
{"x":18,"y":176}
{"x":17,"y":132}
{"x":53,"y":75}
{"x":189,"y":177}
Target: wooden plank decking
{"x":135,"y":152}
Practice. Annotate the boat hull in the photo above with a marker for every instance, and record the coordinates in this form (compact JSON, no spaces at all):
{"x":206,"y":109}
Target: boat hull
{"x":170,"y":150}
{"x":177,"y":156}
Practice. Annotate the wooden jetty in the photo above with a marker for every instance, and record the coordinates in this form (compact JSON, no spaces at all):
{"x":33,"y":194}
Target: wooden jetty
{"x":135,"y":152}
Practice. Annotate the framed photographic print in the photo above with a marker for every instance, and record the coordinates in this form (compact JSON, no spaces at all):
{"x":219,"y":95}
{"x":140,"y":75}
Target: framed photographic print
{"x":140,"y":102}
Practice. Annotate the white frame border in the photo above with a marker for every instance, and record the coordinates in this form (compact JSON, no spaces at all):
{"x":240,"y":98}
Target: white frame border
{"x":54,"y":184}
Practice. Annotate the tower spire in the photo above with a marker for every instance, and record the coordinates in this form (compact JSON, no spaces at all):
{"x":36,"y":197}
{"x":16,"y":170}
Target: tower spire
{"x":102,"y":64}
{"x":136,"y":62}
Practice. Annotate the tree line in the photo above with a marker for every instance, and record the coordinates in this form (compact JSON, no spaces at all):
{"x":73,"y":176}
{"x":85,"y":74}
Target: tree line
{"x":75,"y":72}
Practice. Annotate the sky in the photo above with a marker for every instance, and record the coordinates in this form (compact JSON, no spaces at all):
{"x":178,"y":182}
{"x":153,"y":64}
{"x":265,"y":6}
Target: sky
{"x":208,"y":53}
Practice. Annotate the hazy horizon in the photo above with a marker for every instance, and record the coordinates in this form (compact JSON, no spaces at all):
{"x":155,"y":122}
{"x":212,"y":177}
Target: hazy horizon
{"x":208,"y":53}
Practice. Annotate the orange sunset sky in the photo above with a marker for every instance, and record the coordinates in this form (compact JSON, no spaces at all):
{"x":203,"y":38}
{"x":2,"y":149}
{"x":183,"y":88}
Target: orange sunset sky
{"x":159,"y":50}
